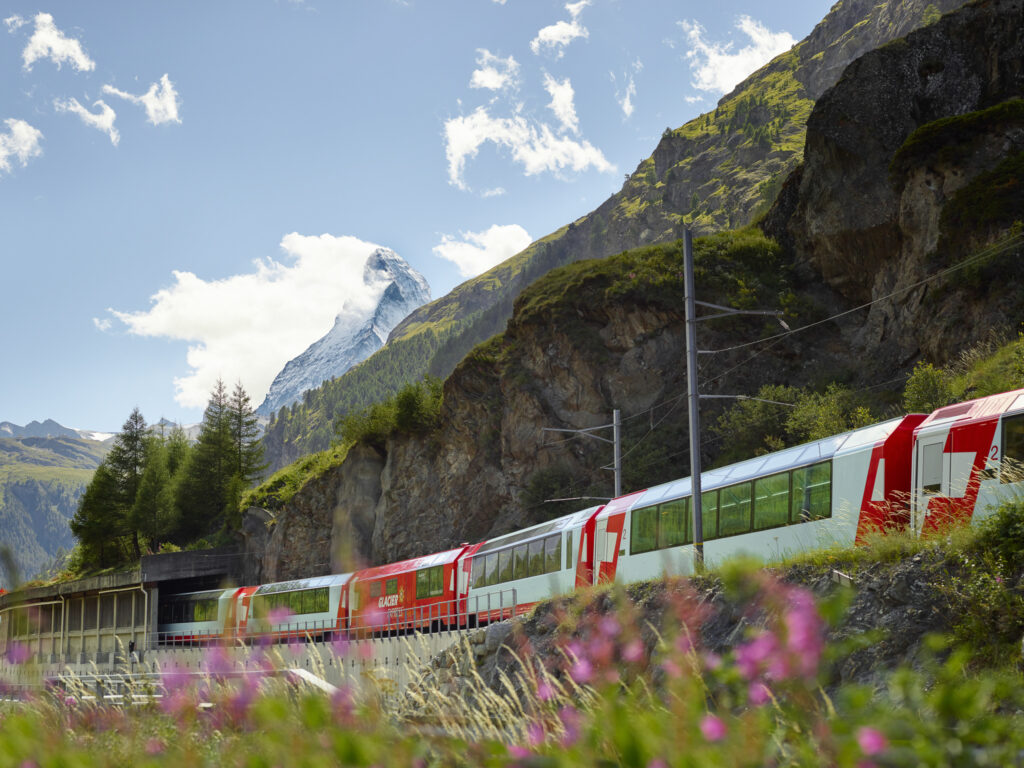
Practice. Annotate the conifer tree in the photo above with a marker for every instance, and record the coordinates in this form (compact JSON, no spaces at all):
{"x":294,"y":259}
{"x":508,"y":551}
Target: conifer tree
{"x":127,"y":460}
{"x":245,"y":437}
{"x":208,"y":470}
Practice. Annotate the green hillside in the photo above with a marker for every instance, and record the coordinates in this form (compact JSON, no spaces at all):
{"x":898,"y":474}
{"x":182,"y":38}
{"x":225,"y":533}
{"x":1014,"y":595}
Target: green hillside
{"x":41,"y":479}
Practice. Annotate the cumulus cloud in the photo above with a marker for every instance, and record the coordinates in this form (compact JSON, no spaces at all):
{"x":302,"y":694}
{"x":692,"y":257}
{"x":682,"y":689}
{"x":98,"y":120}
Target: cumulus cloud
{"x":104,"y":121}
{"x":14,"y":23}
{"x":476,"y":252}
{"x":562,"y":104}
{"x":48,"y":42}
{"x":717,"y":67}
{"x":533,"y":145}
{"x":246,"y":327}
{"x":625,"y":96}
{"x":161,"y":101}
{"x":20,"y":141}
{"x":494,"y":73}
{"x":496,"y":192}
{"x":557,"y":36}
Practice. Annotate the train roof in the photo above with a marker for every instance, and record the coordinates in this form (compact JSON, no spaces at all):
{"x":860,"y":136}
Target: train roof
{"x":299,"y":584}
{"x":413,"y":564}
{"x":780,"y":461}
{"x":621,"y":504}
{"x":973,"y":410}
{"x":538,"y":531}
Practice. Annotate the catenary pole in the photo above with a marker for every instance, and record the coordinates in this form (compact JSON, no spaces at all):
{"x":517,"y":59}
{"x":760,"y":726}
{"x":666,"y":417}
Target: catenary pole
{"x":694,"y":400}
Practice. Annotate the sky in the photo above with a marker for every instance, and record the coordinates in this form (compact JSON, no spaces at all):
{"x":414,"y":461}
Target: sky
{"x":188,"y":190}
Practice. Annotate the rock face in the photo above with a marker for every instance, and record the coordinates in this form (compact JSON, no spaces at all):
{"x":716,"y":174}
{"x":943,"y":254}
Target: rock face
{"x":872,"y":227}
{"x":356,"y":335}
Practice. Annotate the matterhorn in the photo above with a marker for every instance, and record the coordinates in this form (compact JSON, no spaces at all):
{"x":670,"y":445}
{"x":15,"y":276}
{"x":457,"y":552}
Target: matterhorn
{"x":395,"y":289}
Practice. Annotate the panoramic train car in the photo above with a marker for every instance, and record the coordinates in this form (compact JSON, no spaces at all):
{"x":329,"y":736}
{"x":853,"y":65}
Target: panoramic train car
{"x":194,"y":618}
{"x":821,"y":493}
{"x":967,"y":458}
{"x":508,"y":574}
{"x":420,"y":593}
{"x":299,"y":608}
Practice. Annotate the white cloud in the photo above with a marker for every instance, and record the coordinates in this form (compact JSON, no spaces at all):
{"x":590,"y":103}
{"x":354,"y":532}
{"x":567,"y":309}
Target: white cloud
{"x":625,"y":96}
{"x":496,"y":192}
{"x":246,"y":327}
{"x":494,"y":73}
{"x":103,"y":324}
{"x":693,"y":99}
{"x":562,"y":105}
{"x":104,"y":121}
{"x":48,"y":42}
{"x":477,"y":252}
{"x":717,"y":68}
{"x":14,"y":23}
{"x":558,"y":35}
{"x":161,"y":101}
{"x":535,"y":146}
{"x":21,"y":141}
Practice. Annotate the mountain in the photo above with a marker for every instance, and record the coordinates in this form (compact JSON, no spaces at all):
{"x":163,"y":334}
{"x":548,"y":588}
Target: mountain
{"x":397,"y":289}
{"x":41,"y":480}
{"x":899,"y":238}
{"x":50,"y":428}
{"x":719,"y":170}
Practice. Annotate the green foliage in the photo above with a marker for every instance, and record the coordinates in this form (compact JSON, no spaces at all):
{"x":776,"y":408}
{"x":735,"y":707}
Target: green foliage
{"x":929,"y":388}
{"x":754,"y":427}
{"x":951,"y":140}
{"x":277,"y":490}
{"x":832,"y":412}
{"x":550,"y":483}
{"x":415,"y":408}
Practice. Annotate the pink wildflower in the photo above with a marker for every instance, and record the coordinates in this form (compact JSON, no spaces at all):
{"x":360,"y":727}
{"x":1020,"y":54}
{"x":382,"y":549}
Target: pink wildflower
{"x":672,"y":669}
{"x":535,"y":734}
{"x":871,"y":741}
{"x":633,"y":652}
{"x":712,"y":660}
{"x":713,"y":728}
{"x":519,"y":752}
{"x":571,"y":719}
{"x":544,"y":691}
{"x":609,"y":626}
{"x":154,"y":747}
{"x":582,"y":671}
{"x":758,"y":694}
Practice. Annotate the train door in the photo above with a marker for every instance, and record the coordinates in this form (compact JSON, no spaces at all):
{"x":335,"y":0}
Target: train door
{"x":931,"y":475}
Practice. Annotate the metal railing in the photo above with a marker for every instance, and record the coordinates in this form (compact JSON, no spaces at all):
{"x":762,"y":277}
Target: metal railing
{"x":458,"y":614}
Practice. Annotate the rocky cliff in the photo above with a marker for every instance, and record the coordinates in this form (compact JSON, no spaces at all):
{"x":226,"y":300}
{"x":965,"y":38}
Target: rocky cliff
{"x":912,"y":166}
{"x":720,"y":170}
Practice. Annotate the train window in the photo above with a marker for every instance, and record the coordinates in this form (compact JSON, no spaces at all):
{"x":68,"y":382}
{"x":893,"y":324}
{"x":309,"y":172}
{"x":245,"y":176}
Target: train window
{"x":306,"y":600}
{"x":734,"y":510}
{"x":437,"y":580}
{"x":812,"y":492}
{"x":771,"y":501}
{"x":537,"y":557}
{"x":205,"y":610}
{"x":391,"y":586}
{"x":568,"y":549}
{"x":709,"y":515}
{"x":321,"y":600}
{"x":1012,"y":470}
{"x":479,"y":576}
{"x":521,"y":562}
{"x":931,"y":468}
{"x":375,"y":589}
{"x":672,"y":518}
{"x":422,"y":583}
{"x":258,"y":607}
{"x":505,"y":565}
{"x":643,"y":530}
{"x":553,"y":553}
{"x":492,"y":569}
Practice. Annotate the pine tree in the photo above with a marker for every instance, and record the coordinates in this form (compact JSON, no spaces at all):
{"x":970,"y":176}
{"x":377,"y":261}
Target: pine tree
{"x":97,"y":523}
{"x":245,"y":437}
{"x":208,"y":470}
{"x":127,"y":460}
{"x":153,"y":514}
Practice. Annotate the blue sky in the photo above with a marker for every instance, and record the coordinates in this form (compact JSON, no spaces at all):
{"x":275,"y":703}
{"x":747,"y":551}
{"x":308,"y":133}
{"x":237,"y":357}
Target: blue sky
{"x":187,"y":189}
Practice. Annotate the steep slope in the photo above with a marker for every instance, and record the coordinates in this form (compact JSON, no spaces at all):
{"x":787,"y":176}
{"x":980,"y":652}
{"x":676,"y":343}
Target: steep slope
{"x":717,"y":171}
{"x":41,"y":480}
{"x":608,"y":333}
{"x":357,"y":333}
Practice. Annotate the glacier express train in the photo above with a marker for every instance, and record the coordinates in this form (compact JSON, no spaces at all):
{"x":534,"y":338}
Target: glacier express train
{"x":918,"y":471}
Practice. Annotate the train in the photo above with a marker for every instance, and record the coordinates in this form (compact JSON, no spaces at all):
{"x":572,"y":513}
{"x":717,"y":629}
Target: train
{"x":917,"y":472}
